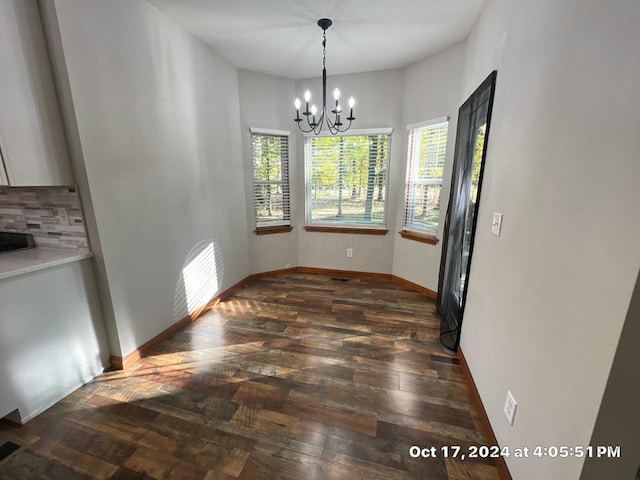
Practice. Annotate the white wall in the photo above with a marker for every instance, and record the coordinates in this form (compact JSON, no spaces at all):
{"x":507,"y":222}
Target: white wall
{"x":52,"y":338}
{"x":432,"y":90}
{"x":379,"y":103}
{"x":158,"y":124}
{"x":31,"y":136}
{"x":69,"y":123}
{"x":547,"y":299}
{"x":618,"y":422}
{"x":267,"y":102}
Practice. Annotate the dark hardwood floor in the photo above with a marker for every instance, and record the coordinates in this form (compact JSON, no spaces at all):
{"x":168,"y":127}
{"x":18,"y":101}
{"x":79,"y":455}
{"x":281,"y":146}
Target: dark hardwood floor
{"x":297,"y":376}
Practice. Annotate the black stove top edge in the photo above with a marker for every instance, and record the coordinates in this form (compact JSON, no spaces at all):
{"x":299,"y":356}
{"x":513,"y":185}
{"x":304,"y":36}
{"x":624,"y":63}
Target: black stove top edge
{"x":11,"y":241}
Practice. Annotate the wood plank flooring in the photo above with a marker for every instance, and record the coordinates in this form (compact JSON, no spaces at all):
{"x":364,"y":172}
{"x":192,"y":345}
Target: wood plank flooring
{"x":297,"y":376}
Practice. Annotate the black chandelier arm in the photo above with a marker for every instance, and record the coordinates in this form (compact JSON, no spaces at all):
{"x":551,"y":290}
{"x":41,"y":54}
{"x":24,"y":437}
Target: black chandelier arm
{"x":334,"y":127}
{"x":316,"y":127}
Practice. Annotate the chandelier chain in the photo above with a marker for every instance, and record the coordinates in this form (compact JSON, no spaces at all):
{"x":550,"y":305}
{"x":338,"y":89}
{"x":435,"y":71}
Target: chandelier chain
{"x":324,"y":49}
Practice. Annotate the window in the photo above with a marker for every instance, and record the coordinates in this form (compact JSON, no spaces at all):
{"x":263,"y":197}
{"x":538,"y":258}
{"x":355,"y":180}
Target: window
{"x":425,"y":169}
{"x":270,"y":150}
{"x":346,"y":182}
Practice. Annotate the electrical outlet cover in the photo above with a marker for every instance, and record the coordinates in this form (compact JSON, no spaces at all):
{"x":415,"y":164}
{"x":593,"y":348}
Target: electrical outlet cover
{"x":63,"y":216}
{"x":510,"y":406}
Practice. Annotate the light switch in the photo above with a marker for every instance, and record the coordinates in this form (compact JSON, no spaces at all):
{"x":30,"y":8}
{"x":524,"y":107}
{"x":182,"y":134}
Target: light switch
{"x":497,"y":223}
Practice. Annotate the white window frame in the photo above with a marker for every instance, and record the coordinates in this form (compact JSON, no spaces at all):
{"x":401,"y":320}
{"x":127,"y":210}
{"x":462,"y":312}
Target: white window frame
{"x":413,"y":151}
{"x":284,"y":182}
{"x":308,"y":181}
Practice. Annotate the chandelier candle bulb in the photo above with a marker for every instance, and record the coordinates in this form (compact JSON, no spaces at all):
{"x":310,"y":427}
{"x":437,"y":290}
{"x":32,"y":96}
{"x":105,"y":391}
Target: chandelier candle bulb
{"x":307,"y":97}
{"x":336,"y":96}
{"x":297,"y":104}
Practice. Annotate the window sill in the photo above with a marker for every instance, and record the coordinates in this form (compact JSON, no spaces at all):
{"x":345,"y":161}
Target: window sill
{"x":356,"y":230}
{"x":419,"y":237}
{"x":270,"y":230}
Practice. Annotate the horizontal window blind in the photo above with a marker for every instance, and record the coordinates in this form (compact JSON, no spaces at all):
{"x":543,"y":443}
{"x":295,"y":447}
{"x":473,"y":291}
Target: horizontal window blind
{"x":347,"y":180}
{"x":271,"y":180}
{"x":425,"y":170}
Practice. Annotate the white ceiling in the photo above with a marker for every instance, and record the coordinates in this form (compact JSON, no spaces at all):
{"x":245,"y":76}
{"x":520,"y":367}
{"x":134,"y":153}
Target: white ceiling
{"x":281,"y":37}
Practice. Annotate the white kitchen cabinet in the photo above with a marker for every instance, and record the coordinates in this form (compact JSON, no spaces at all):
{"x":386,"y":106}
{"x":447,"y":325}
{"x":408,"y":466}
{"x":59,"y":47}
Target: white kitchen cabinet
{"x":32,"y":140}
{"x":52,"y":337}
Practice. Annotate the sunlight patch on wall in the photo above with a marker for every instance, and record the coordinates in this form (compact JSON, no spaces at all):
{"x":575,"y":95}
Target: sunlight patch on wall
{"x":200,"y":278}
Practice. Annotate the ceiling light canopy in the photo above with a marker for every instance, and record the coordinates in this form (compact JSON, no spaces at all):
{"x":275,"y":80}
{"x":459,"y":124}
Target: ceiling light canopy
{"x":333,"y":120}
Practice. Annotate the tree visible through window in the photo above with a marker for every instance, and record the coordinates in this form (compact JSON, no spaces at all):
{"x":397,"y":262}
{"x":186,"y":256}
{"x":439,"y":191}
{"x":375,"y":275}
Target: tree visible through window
{"x":347,"y":180}
{"x":271,"y":180}
{"x":425,"y":169}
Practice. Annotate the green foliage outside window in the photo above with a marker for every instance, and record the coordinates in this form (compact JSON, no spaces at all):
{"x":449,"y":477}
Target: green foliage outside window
{"x":271,"y":180}
{"x":347,"y":180}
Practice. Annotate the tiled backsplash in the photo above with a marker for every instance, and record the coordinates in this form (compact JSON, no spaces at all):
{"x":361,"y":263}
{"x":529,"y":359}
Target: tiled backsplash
{"x":41,"y":212}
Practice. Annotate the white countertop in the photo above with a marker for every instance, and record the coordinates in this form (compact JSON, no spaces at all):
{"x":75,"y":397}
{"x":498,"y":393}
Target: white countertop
{"x":25,"y":261}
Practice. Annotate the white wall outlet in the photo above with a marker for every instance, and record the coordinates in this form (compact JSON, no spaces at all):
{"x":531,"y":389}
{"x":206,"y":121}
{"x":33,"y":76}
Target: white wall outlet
{"x":62,"y":215}
{"x":510,"y":406}
{"x":349,"y":252}
{"x":497,"y":223}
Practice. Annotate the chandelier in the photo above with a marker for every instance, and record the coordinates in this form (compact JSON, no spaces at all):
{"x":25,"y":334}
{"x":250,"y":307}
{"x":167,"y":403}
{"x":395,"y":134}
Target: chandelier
{"x":333,"y":119}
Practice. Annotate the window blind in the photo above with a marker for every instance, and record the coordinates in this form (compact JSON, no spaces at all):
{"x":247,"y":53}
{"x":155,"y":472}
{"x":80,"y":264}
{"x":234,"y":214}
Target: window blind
{"x":271,"y":198}
{"x":347,"y":180}
{"x":425,"y":169}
